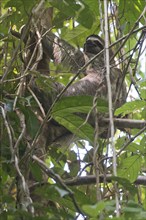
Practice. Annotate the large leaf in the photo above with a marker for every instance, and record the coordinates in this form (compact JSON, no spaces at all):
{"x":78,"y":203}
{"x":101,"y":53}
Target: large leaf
{"x":63,"y":114}
{"x":74,"y":104}
{"x":68,"y":7}
{"x":126,"y":184}
{"x":32,"y":122}
{"x":76,"y":125}
{"x":77,"y":35}
{"x":142,"y":89}
{"x":130,"y":168}
{"x":36,"y":171}
{"x":130,"y":107}
{"x":94,"y":210}
{"x":73,"y":164}
{"x":86,"y":13}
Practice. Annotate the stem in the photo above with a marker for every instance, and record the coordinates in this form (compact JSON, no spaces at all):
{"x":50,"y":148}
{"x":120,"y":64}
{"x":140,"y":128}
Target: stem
{"x":107,"y":64}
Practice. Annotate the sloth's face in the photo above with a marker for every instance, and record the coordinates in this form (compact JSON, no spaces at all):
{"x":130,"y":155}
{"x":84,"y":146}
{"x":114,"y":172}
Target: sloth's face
{"x":94,"y":44}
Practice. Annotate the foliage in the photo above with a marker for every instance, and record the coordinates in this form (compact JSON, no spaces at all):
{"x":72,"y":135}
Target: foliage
{"x":73,"y":21}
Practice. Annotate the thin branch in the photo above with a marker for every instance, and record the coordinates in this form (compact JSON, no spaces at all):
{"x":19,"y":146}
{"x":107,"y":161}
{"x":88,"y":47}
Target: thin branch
{"x":23,"y":190}
{"x":38,"y":46}
{"x":124,"y":123}
{"x":23,"y":126}
{"x":19,"y":90}
{"x":107,"y":63}
{"x":96,"y":147}
{"x":91,"y":179}
{"x":24,"y":194}
{"x":15,"y":79}
{"x":37,"y":101}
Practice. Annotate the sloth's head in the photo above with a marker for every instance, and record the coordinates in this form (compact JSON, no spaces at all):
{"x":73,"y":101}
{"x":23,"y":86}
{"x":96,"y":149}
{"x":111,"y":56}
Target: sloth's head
{"x":94,"y":44}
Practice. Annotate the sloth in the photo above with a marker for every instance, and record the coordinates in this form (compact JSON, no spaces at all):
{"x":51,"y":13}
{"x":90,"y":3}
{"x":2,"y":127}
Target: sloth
{"x":93,"y":82}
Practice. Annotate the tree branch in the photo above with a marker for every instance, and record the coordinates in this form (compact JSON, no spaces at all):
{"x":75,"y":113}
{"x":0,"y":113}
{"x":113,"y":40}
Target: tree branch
{"x":91,"y":179}
{"x":124,"y":123}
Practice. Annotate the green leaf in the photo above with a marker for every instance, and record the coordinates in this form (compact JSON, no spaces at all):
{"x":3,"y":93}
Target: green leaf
{"x":137,"y":148}
{"x":132,"y":209}
{"x":87,"y":23}
{"x":120,"y":141}
{"x":75,"y":104}
{"x":63,"y":114}
{"x":125,"y":183}
{"x":94,"y":210}
{"x":36,"y":171}
{"x":73,"y":163}
{"x":32,"y":122}
{"x":130,"y":107}
{"x":72,"y":104}
{"x":143,"y":145}
{"x":130,"y":168}
{"x":142,"y":89}
{"x":68,"y":7}
{"x":76,"y":125}
{"x":20,"y":4}
{"x":82,"y":197}
{"x":77,"y":35}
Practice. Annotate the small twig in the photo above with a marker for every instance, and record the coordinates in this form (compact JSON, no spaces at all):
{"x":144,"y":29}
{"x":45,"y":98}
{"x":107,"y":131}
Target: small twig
{"x":18,"y":78}
{"x":87,"y":165}
{"x":20,"y":88}
{"x":37,"y":101}
{"x":23,"y":126}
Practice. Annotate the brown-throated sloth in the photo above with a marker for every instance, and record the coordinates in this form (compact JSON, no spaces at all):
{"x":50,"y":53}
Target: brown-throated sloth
{"x":93,"y":81}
